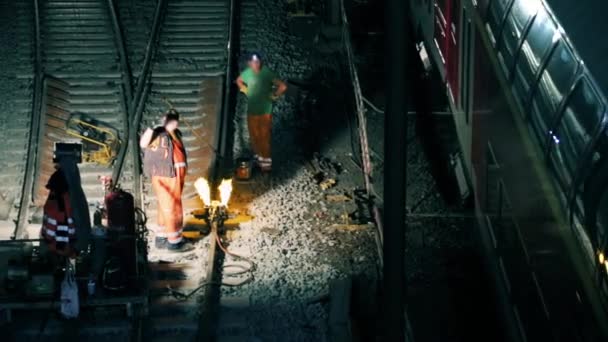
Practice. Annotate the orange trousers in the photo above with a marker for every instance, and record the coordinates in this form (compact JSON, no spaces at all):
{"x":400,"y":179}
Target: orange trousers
{"x":260,"y":134}
{"x":170,"y":213}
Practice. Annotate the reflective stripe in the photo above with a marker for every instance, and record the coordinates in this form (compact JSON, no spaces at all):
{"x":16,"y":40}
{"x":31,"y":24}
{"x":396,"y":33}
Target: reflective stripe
{"x":62,"y":239}
{"x":174,"y":234}
{"x":53,"y":222}
{"x":178,"y":165}
{"x":52,"y":233}
{"x":63,"y":228}
{"x":264,"y":161}
{"x":175,"y":241}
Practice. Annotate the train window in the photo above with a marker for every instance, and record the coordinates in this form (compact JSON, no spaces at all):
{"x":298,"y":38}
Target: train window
{"x":521,"y":13}
{"x":535,"y":46}
{"x":581,"y":117}
{"x":496,"y":14}
{"x":601,"y":229}
{"x":555,"y":81}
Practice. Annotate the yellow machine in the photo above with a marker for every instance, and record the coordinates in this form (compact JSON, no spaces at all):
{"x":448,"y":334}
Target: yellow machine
{"x":100,"y":141}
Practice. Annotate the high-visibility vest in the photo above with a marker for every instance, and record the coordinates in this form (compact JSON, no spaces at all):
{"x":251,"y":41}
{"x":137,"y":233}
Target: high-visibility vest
{"x":58,"y":225}
{"x":158,"y":156}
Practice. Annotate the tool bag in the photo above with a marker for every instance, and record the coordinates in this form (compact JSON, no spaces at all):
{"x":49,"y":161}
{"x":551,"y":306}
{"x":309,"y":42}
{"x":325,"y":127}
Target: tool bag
{"x":114,"y":277}
{"x":70,"y":306}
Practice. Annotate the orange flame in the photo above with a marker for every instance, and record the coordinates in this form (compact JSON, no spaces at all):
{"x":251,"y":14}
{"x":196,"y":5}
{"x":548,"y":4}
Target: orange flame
{"x":225,"y":191}
{"x":204,"y":192}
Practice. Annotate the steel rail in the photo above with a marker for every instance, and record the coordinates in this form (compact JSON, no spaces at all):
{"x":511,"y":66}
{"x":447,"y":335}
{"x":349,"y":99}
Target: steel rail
{"x":137,"y":103}
{"x":150,"y":52}
{"x":126,"y":88}
{"x":119,"y":41}
{"x":210,"y":306}
{"x":32,"y":152}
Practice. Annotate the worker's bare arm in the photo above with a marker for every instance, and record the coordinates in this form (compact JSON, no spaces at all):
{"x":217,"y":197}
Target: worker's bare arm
{"x":146,"y":138}
{"x":281,"y":87}
{"x":240,"y":82}
{"x":242,"y":85}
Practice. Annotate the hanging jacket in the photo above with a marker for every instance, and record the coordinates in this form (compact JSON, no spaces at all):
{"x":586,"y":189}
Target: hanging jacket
{"x":158,"y":156}
{"x":58,"y":227}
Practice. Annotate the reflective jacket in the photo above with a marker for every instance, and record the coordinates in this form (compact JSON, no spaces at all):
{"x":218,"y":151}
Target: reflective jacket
{"x":58,"y":225}
{"x":158,"y":156}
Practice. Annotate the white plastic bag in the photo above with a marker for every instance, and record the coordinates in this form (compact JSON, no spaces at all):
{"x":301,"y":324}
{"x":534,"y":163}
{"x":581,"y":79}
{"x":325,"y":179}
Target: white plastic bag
{"x":70,"y":306}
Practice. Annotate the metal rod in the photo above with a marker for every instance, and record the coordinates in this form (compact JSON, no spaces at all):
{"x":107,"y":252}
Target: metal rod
{"x":229,"y":98}
{"x":366,"y":166}
{"x":395,"y":155}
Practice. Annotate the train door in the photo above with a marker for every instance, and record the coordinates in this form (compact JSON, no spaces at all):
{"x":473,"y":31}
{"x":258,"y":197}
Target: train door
{"x":447,"y":29}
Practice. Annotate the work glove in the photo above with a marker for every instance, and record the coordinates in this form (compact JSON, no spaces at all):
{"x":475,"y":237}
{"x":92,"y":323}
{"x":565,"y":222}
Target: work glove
{"x":244,"y":90}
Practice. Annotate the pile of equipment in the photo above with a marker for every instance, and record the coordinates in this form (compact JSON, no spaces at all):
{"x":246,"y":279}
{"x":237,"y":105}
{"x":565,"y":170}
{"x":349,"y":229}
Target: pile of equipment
{"x":100,"y":141}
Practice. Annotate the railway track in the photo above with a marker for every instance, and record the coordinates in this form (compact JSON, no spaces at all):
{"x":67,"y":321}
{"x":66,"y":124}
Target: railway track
{"x":13,"y":164}
{"x":187,"y":72}
{"x":83,"y":64}
{"x":80,"y":67}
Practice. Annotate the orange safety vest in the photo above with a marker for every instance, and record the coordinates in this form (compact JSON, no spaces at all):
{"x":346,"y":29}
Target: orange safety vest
{"x":58,"y":225}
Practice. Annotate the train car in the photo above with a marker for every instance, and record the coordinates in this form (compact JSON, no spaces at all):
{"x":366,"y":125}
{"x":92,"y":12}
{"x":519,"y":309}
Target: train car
{"x":527,"y":88}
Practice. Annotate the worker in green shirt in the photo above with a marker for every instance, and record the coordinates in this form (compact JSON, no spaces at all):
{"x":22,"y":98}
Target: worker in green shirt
{"x":262,"y":87}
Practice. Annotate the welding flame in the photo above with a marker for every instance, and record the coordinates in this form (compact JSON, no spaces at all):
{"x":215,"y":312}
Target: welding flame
{"x":225,"y":191}
{"x":204,"y":192}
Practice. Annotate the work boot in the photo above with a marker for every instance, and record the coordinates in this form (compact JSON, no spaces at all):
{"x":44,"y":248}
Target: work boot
{"x":265,"y":164}
{"x":180,"y":247}
{"x":160,"y":242}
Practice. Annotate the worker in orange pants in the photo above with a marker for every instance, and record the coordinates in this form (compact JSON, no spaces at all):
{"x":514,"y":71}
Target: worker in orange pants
{"x":165,"y":163}
{"x":262,"y":87}
{"x":168,"y":193}
{"x":260,"y":134}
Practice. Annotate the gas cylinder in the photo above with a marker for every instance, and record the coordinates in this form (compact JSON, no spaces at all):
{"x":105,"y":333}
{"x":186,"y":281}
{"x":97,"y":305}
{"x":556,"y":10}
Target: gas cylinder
{"x":120,"y":209}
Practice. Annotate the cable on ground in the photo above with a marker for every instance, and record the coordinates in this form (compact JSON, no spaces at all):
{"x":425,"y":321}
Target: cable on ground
{"x":240,"y":270}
